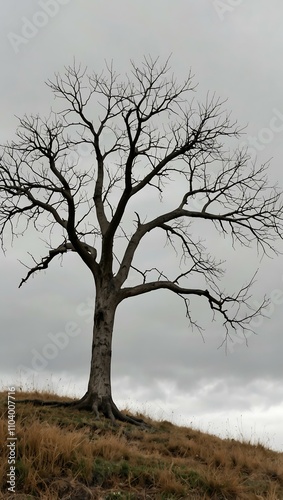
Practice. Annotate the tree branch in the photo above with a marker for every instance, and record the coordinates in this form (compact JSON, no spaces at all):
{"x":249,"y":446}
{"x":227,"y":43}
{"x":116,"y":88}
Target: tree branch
{"x":227,"y":306}
{"x":63,"y":248}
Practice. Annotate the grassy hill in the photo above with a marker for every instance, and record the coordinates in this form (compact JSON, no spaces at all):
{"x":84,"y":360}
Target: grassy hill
{"x":65,"y":454}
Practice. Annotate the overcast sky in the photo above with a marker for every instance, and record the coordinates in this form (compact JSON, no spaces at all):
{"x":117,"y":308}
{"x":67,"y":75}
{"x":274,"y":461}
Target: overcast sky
{"x":160,"y":365}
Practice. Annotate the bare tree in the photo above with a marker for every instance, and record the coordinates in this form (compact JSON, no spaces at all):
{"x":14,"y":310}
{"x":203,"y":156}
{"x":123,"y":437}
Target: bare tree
{"x":146,"y":135}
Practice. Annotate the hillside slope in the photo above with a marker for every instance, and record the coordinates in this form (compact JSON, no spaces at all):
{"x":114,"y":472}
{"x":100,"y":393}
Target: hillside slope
{"x":65,"y":454}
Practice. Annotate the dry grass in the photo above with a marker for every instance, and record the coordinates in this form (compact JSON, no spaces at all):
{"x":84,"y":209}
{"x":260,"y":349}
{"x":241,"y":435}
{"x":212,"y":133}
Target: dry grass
{"x":65,"y":454}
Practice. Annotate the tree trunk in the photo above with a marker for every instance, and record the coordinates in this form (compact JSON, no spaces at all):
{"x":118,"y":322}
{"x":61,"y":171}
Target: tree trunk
{"x":99,"y":386}
{"x":98,"y":397}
